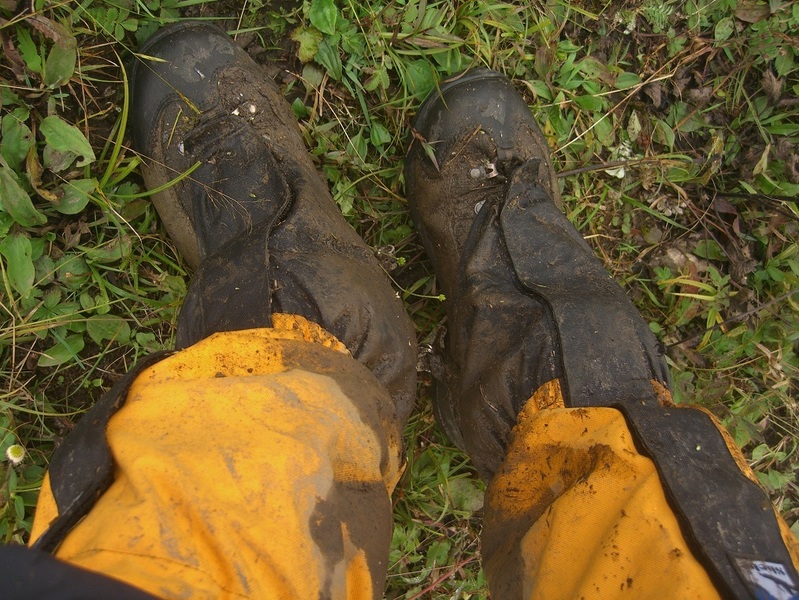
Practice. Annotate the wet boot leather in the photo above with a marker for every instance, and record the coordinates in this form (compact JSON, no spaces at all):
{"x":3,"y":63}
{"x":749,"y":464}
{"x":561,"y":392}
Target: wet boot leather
{"x":527,"y":300}
{"x":255,"y":217}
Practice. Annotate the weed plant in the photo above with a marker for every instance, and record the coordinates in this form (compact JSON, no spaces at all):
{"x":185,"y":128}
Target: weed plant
{"x":673,"y":127}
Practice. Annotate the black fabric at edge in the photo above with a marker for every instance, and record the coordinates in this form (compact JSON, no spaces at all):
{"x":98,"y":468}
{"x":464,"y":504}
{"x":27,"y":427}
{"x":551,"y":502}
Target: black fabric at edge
{"x":82,"y":467}
{"x":29,"y":574}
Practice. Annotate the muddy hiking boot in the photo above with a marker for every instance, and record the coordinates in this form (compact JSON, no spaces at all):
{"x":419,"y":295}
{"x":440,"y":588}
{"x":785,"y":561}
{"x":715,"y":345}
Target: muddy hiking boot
{"x":527,"y":300}
{"x":254,"y":217}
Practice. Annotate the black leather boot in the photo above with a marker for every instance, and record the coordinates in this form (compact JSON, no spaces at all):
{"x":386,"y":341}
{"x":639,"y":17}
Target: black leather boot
{"x":528,"y":302}
{"x":255,"y":217}
{"x":527,"y":299}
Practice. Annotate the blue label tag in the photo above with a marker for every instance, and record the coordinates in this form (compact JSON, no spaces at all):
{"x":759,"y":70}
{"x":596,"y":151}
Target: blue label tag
{"x":768,"y":580}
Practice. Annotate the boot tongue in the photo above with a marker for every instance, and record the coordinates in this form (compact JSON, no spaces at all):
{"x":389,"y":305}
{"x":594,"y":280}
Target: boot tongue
{"x":238,"y":184}
{"x":608,"y":353}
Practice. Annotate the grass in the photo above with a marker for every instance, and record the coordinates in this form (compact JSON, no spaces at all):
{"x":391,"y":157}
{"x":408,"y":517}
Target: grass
{"x":673,"y":125}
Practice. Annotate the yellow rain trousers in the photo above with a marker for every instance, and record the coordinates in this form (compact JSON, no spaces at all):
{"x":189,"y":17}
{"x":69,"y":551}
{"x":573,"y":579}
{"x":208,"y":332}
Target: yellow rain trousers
{"x":259,"y":464}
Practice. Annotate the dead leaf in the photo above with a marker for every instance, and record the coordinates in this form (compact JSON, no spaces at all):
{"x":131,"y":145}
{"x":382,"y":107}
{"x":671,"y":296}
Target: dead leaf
{"x":792,"y":169}
{"x":741,"y":262}
{"x":692,"y":357}
{"x":543,"y":62}
{"x":700,"y":96}
{"x":73,"y":232}
{"x":53,"y":30}
{"x":772,"y":86}
{"x":14,"y":58}
{"x":35,"y":171}
{"x":762,"y":163}
{"x":752,"y":12}
{"x":655,"y":93}
{"x":786,"y":152}
{"x":736,"y":227}
{"x":722,"y":205}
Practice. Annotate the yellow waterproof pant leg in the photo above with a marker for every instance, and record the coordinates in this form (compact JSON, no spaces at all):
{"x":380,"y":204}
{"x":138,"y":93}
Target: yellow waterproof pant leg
{"x":576,"y":511}
{"x":255,"y":464}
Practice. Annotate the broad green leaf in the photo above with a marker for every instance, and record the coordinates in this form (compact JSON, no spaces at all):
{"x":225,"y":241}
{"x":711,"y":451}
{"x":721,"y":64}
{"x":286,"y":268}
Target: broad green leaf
{"x":148,"y":342}
{"x":328,"y":57}
{"x":33,"y":473}
{"x":438,"y":553}
{"x":76,"y":196}
{"x":663,"y":134}
{"x":357,"y":147}
{"x":591,"y":88}
{"x":308,"y":39}
{"x":64,"y":351}
{"x":352,"y":42}
{"x":113,"y":251}
{"x":45,"y":269}
{"x":784,"y":63}
{"x":592,"y":103}
{"x":379,"y":135}
{"x":38,"y":245}
{"x":692,"y":123}
{"x":344,"y":196}
{"x":16,"y":201}
{"x":604,"y":132}
{"x":60,"y":63}
{"x":6,"y":222}
{"x":710,"y":249}
{"x":29,"y":50}
{"x":9,"y":98}
{"x":19,"y":507}
{"x":299,"y":109}
{"x":16,"y":249}
{"x":312,"y":76}
{"x":130,"y":25}
{"x":775,"y":273}
{"x":466,"y":495}
{"x":175,"y":284}
{"x":87,"y":301}
{"x":451,"y":61}
{"x":323,"y":15}
{"x":108,"y":327}
{"x":724,"y":29}
{"x":73,"y":271}
{"x":65,"y":143}
{"x":61,"y":59}
{"x":57,"y":161}
{"x":16,"y":139}
{"x":627,"y":80}
{"x":420,"y":78}
{"x":378,"y":79}
{"x":12,"y":481}
{"x":540,"y":89}
{"x":593,"y":68}
{"x":52,"y":298}
{"x":759,"y":452}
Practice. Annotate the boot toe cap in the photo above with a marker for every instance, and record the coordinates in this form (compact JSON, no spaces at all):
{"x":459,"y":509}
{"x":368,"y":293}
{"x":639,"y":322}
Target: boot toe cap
{"x":188,"y":57}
